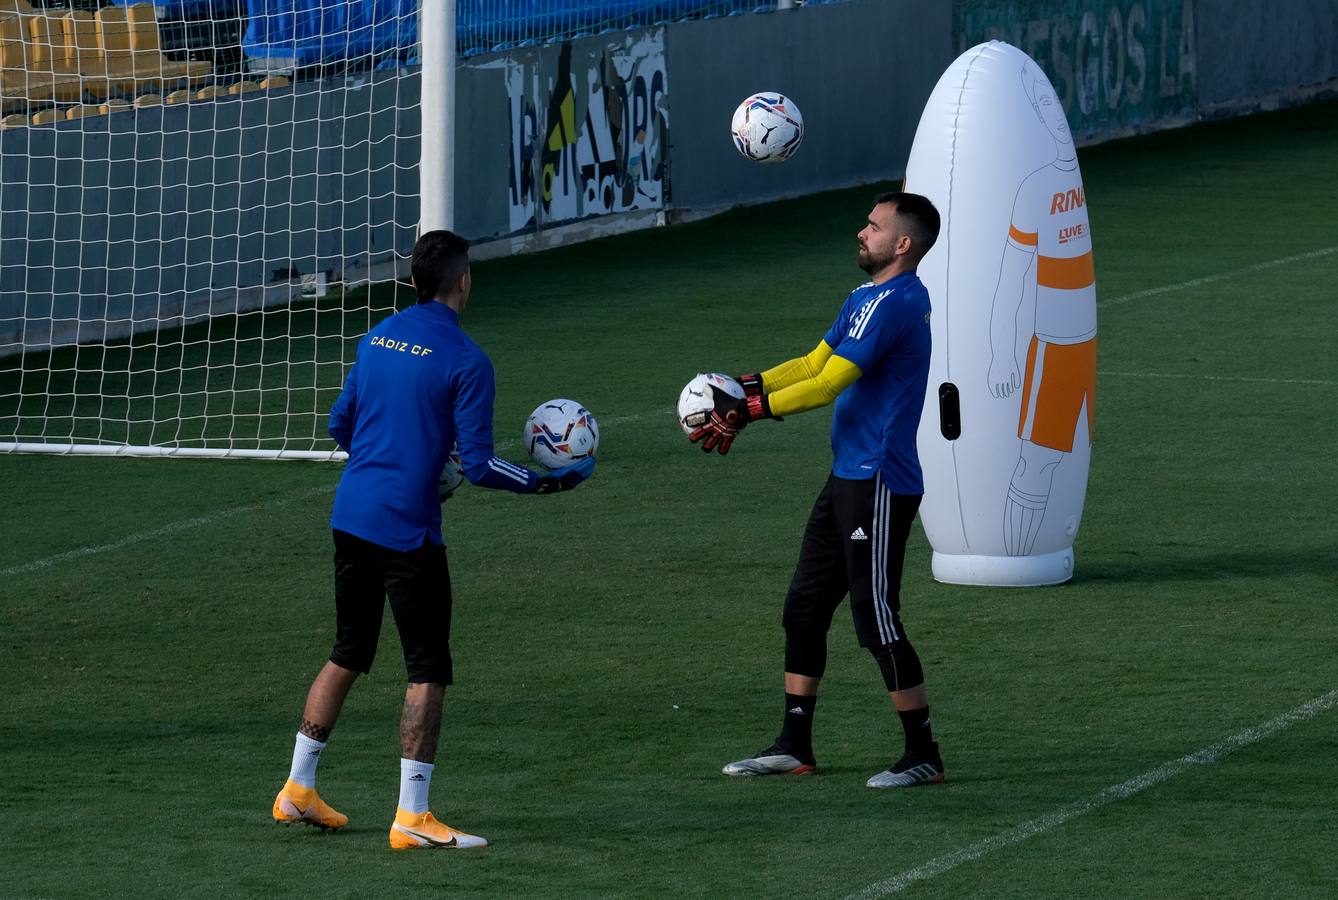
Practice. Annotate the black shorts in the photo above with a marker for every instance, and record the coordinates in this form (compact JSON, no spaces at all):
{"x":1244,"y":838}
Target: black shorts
{"x":418,"y":583}
{"x":854,"y":543}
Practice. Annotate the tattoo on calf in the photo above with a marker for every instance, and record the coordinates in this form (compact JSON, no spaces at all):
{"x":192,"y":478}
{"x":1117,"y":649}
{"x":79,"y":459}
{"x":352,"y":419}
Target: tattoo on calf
{"x":314,"y":731}
{"x":420,"y":727}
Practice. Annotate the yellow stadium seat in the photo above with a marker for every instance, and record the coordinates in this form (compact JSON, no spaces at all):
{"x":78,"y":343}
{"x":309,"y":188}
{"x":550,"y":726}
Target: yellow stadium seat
{"x":274,"y":82}
{"x":148,"y":100}
{"x":244,"y":87}
{"x":120,"y":59}
{"x":146,"y":41}
{"x":18,"y":85}
{"x":84,"y":50}
{"x":48,"y":116}
{"x":83,"y":110}
{"x":181,"y":96}
{"x":49,"y":56}
{"x":14,"y":120}
{"x":130,"y":44}
{"x":209,"y":93}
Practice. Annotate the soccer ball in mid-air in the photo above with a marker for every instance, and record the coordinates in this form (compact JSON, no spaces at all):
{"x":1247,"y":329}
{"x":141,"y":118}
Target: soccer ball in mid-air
{"x":767,"y":128}
{"x":697,"y":399}
{"x":560,"y":432}
{"x":452,"y":475}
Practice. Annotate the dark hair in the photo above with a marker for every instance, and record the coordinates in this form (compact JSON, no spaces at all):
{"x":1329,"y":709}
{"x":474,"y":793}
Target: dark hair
{"x":439,"y":259}
{"x":918,"y":216}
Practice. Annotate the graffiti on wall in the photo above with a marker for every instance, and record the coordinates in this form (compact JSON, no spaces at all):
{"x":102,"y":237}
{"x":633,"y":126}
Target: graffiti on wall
{"x":589,"y":130}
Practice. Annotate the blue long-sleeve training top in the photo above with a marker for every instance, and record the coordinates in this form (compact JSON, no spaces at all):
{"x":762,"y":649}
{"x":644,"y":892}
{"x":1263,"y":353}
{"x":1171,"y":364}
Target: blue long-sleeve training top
{"x":418,"y":387}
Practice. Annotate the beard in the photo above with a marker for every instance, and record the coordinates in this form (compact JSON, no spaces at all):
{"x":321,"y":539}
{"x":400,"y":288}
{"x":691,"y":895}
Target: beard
{"x":870,"y":263}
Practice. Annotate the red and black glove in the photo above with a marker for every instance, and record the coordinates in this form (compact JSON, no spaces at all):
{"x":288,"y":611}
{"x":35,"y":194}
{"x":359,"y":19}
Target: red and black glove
{"x":730,"y":416}
{"x":752,"y":385}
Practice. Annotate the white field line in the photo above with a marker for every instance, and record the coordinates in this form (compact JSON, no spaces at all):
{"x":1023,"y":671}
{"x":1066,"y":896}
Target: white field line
{"x":1221,"y":276}
{"x":1221,"y":378}
{"x":164,"y":531}
{"x":1206,"y":756}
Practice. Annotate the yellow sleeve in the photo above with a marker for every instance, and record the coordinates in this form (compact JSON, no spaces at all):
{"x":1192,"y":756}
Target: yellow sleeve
{"x":838,"y":374}
{"x":797,"y":370}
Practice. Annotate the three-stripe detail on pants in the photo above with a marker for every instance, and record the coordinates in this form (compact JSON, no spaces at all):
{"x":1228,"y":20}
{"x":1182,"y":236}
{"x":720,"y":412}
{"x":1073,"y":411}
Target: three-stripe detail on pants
{"x":882,"y":525}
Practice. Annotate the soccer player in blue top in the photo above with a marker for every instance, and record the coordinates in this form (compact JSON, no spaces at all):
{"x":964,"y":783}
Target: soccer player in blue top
{"x":419,"y":386}
{"x":874,"y":362}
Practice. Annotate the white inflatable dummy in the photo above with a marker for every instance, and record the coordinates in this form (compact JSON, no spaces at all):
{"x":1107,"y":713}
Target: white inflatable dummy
{"x":1006,"y":436}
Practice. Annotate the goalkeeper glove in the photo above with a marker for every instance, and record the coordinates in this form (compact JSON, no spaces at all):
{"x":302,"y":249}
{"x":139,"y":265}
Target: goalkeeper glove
{"x":567,"y":477}
{"x":730,"y":415}
{"x":752,"y":385}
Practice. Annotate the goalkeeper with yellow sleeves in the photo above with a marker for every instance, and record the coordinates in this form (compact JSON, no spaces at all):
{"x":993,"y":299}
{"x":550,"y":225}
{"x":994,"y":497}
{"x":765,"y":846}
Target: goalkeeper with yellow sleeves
{"x":874,"y":363}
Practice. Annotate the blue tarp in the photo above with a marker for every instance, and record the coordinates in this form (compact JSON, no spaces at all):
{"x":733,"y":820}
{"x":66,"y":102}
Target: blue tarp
{"x":324,"y":31}
{"x":490,"y":24}
{"x":310,"y":32}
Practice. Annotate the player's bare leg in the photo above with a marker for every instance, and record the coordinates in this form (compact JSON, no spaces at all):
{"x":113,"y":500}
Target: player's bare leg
{"x":325,"y":700}
{"x":298,"y":801}
{"x":420,"y":727}
{"x":420,"y":723}
{"x":802,"y":685}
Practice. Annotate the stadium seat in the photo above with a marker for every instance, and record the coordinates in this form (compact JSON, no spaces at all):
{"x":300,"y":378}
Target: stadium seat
{"x":82,"y":111}
{"x":50,"y":56}
{"x":48,"y":117}
{"x":150,"y":70}
{"x":14,"y":120}
{"x":182,"y":96}
{"x":18,"y":86}
{"x":148,"y":100}
{"x":20,"y":83}
{"x":274,"y":82}
{"x":245,"y":87}
{"x":210,"y":92}
{"x":84,"y":49}
{"x":146,"y":41}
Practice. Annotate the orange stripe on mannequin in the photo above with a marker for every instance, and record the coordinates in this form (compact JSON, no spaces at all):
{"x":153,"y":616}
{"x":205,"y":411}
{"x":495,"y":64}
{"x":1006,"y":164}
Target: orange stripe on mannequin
{"x":1065,"y":274}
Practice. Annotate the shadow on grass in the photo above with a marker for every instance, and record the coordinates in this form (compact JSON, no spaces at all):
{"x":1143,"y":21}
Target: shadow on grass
{"x":1170,"y":564}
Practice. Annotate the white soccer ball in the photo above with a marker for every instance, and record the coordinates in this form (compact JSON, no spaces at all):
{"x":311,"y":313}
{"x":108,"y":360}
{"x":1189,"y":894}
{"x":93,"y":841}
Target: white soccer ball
{"x":697,"y":399}
{"x":452,"y":475}
{"x":560,"y":432}
{"x":767,"y":128}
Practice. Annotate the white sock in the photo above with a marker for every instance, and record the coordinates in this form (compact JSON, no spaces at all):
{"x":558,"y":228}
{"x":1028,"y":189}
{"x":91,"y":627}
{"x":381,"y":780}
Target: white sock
{"x":415,"y":779}
{"x":306,"y":754}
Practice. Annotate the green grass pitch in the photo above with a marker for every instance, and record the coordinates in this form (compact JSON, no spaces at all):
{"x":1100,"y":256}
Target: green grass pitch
{"x":614,"y":647}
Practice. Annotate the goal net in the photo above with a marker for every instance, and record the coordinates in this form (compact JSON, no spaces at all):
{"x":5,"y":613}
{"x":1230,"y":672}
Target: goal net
{"x":193,"y":200}
{"x":205,"y":203}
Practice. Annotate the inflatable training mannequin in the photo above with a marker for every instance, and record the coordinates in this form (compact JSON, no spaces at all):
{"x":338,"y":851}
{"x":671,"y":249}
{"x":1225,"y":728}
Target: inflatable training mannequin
{"x":1006,"y":438}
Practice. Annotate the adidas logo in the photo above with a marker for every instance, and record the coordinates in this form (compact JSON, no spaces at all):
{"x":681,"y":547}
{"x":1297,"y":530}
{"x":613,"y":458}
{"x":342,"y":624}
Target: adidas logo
{"x":417,"y":777}
{"x":313,"y":753}
{"x":797,"y":711}
{"x":858,"y":534}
